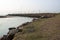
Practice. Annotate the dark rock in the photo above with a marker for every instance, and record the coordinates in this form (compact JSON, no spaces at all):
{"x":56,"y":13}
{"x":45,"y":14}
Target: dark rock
{"x":12,"y":28}
{"x":10,"y":37}
{"x":12,"y":31}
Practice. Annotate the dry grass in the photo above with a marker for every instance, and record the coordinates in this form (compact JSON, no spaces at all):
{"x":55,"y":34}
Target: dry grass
{"x":45,"y":29}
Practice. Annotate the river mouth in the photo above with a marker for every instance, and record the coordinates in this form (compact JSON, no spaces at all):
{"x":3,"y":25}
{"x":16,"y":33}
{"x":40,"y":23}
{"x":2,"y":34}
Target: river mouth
{"x":6,"y":23}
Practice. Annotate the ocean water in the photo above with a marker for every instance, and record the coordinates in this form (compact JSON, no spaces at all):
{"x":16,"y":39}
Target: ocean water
{"x":6,"y":23}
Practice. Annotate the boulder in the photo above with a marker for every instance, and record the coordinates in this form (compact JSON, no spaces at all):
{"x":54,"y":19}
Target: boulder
{"x":11,"y":33}
{"x":12,"y":28}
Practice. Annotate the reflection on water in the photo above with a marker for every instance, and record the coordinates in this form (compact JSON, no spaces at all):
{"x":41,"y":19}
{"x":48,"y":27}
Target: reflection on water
{"x":6,"y":23}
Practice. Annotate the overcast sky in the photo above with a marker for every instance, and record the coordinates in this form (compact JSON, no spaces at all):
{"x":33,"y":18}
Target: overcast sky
{"x":9,"y":6}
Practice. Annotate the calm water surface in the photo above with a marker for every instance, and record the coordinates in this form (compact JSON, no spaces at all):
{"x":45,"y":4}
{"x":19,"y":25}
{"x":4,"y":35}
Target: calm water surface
{"x":6,"y":23}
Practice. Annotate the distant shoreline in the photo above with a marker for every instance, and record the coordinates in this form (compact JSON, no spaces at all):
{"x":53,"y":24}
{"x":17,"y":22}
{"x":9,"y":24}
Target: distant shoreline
{"x":36,"y":15}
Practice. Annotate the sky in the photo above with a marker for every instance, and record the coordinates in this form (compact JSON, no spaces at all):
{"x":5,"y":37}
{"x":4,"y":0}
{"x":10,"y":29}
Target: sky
{"x":25,"y":6}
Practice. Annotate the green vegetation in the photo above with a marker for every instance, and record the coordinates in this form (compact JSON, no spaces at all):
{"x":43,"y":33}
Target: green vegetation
{"x":41,"y":29}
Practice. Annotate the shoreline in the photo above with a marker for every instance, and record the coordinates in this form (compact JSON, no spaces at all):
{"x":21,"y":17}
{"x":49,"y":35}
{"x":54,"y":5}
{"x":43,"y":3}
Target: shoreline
{"x":13,"y":31}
